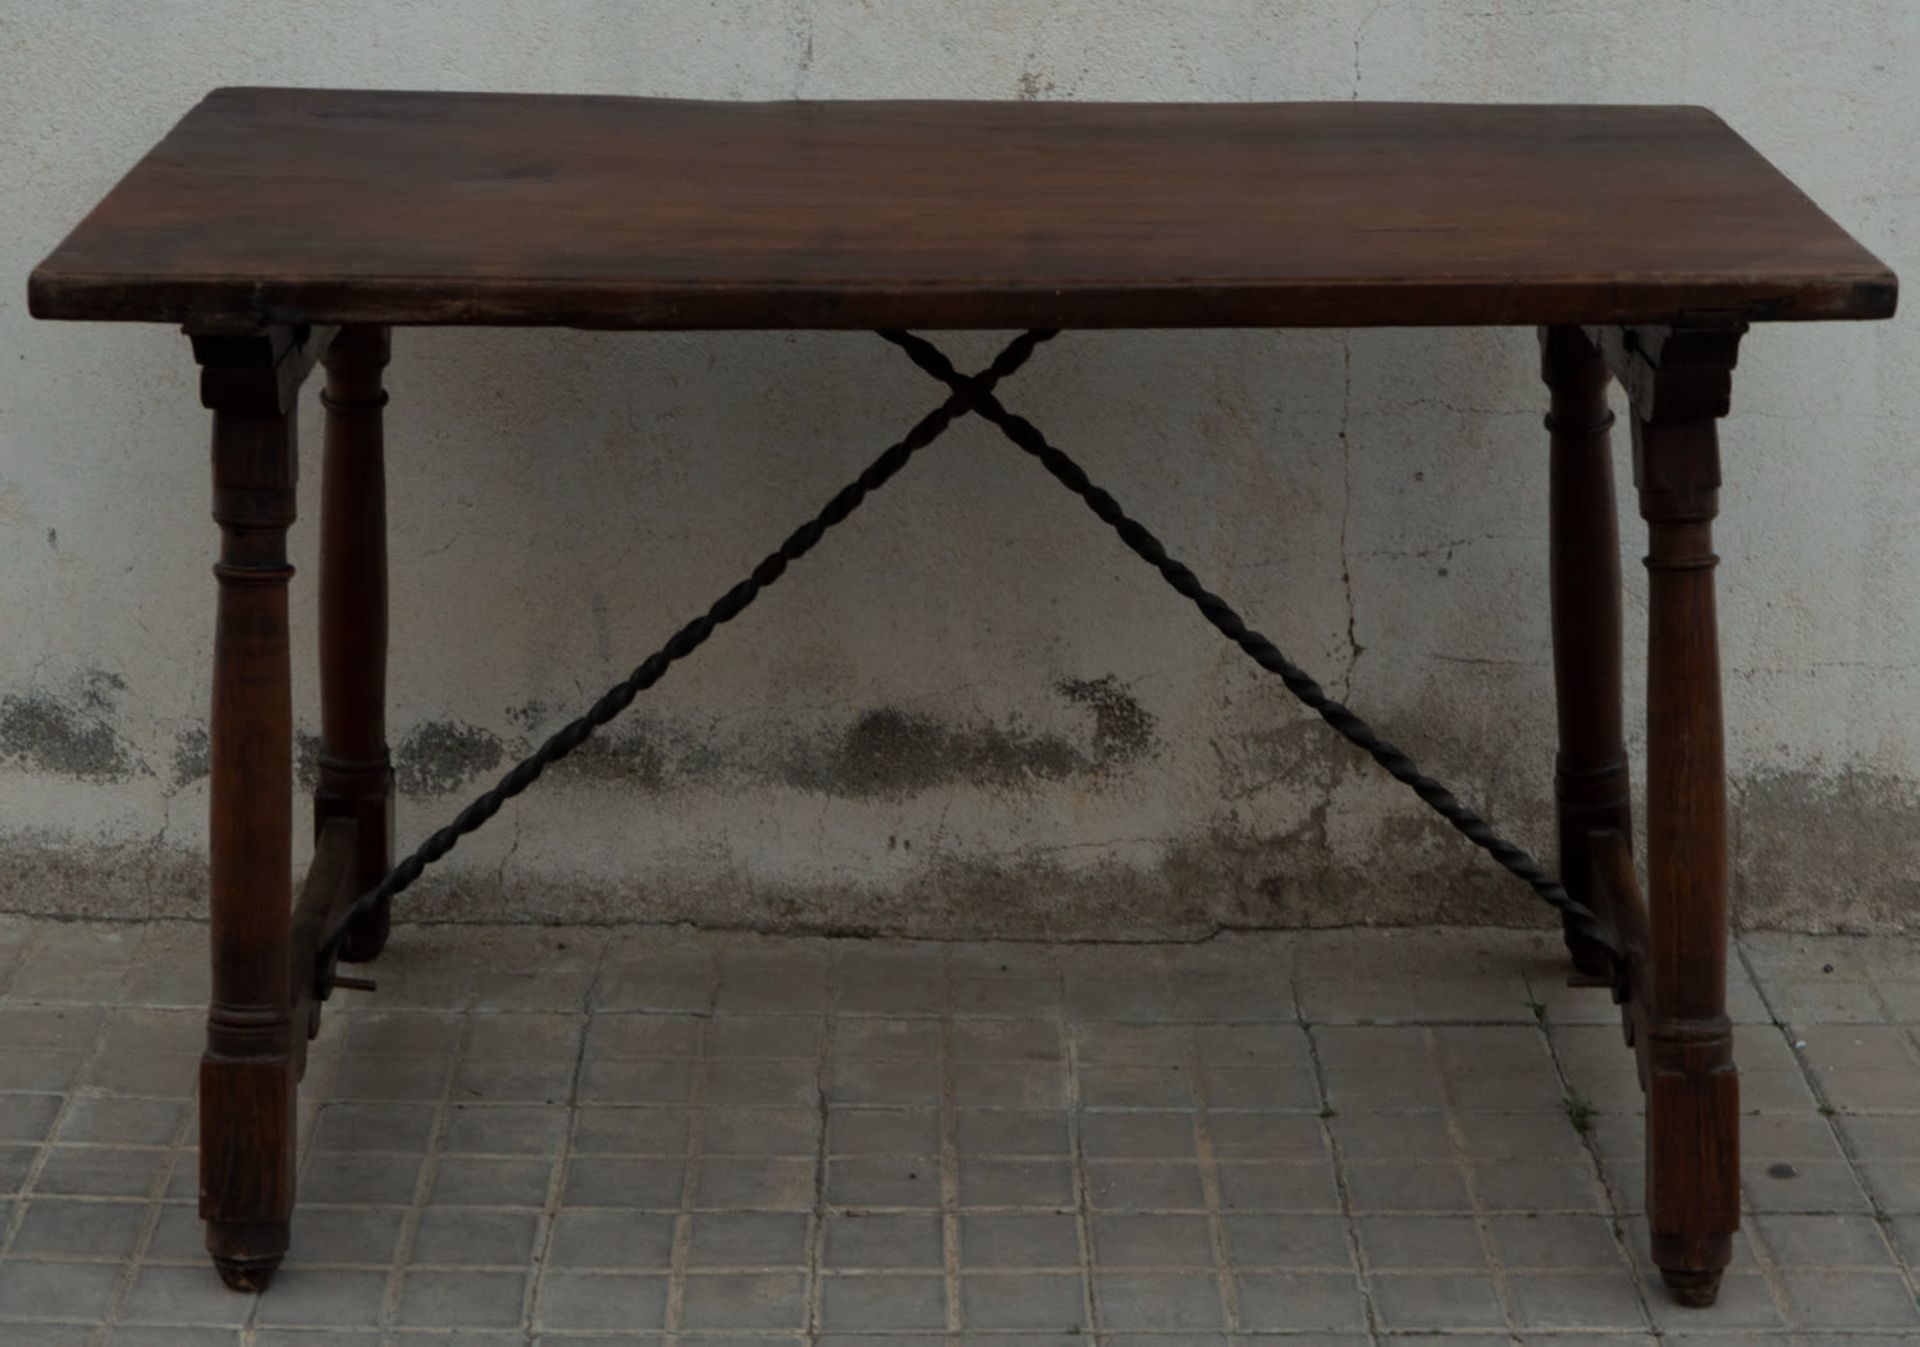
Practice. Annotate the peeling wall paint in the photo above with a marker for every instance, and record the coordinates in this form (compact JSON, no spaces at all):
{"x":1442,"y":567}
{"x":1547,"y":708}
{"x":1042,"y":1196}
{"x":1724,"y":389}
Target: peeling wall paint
{"x":970,"y":712}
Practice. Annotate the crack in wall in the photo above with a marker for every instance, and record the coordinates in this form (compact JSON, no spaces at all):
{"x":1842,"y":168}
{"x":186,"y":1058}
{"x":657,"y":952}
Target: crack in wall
{"x":1359,"y":32}
{"x":1354,"y":648}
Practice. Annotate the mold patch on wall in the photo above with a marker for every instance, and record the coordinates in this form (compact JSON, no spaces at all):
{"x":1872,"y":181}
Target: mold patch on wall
{"x":639,"y":752}
{"x":890,"y":753}
{"x":306,"y":760}
{"x":634,"y":757}
{"x":68,"y":735}
{"x":1122,"y":728}
{"x":443,"y":755}
{"x":191,"y":761}
{"x":886,"y":752}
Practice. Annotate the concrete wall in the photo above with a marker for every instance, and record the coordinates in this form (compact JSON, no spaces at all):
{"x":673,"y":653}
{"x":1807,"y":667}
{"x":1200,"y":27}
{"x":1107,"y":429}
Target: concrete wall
{"x":971,"y":711}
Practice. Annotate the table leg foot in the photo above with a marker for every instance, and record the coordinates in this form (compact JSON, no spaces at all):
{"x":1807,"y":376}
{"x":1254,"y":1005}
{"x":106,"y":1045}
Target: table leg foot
{"x":247,"y":1256}
{"x":1694,"y":1290}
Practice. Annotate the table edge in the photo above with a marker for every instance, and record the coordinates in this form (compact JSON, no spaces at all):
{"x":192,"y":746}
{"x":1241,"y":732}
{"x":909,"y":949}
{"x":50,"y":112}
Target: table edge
{"x":225,"y":303}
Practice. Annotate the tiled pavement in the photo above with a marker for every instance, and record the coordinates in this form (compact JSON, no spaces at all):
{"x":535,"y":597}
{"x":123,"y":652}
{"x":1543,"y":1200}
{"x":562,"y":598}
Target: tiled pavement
{"x":584,"y":1136}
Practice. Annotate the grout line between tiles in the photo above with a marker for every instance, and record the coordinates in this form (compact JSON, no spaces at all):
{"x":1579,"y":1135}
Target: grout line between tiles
{"x":1069,"y":1027}
{"x":1616,"y":1222}
{"x":1470,"y":1179}
{"x":424,"y":1180}
{"x":1362,"y":1277}
{"x":535,"y":1290}
{"x":682,"y":1247}
{"x":817,"y":1214}
{"x":949,"y":1158}
{"x":1210,"y":1190}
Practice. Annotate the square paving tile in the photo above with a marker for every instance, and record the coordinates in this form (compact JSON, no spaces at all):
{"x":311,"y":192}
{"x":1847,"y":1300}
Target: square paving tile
{"x":462,"y":1299}
{"x":882,"y":1240}
{"x":1441,"y":1300}
{"x":1020,"y":1240}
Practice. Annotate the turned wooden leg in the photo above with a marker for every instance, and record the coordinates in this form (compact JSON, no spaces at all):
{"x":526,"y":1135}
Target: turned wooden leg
{"x":1590,"y":772}
{"x":1679,"y":381}
{"x":248,"y":1075}
{"x":356,"y":772}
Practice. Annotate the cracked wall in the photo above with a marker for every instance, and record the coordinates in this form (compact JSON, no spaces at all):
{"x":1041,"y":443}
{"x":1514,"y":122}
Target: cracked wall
{"x":971,"y":711}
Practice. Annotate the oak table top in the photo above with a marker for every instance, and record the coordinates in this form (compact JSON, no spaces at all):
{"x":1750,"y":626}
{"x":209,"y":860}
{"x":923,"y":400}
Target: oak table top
{"x":310,"y":206}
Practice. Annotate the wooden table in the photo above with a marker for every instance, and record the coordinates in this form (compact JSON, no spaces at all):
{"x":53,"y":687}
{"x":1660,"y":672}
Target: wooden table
{"x":284,"y":228}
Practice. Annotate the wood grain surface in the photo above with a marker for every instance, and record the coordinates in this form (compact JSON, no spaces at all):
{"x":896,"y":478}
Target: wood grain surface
{"x":291,"y":206}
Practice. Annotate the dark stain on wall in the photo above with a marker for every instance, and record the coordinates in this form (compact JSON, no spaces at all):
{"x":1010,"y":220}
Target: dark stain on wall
{"x":633,"y":757}
{"x":69,"y":735}
{"x":529,"y":715}
{"x":640,"y":752}
{"x":889,"y":752}
{"x":191,"y":760}
{"x":885,"y":752}
{"x":442,"y":755}
{"x":1122,"y":728}
{"x":306,"y":759}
